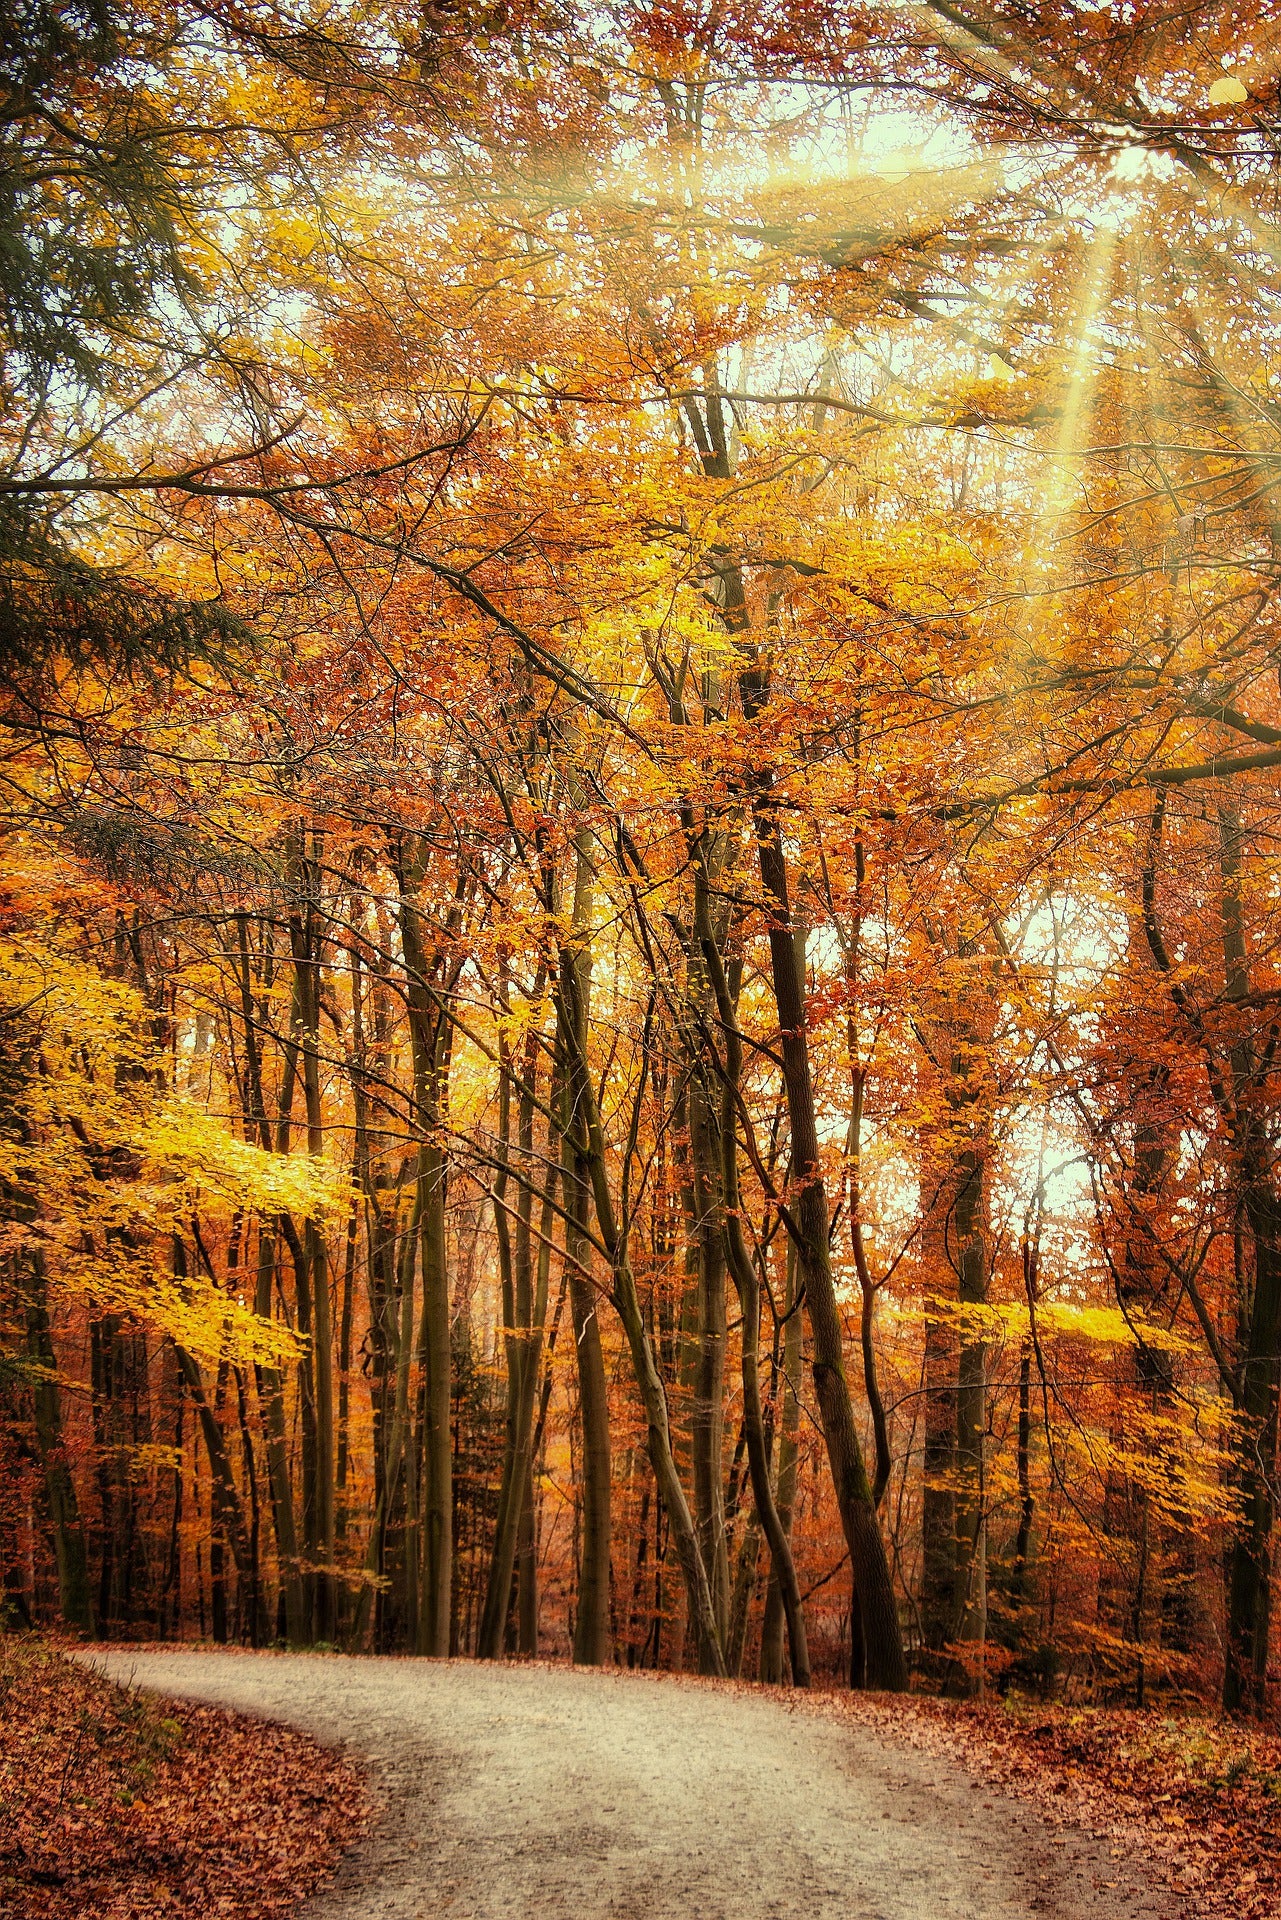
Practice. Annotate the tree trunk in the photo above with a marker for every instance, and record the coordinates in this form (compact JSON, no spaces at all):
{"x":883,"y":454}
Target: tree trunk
{"x":591,"y":1620}
{"x":1250,"y":1555}
{"x":437,"y":1450}
{"x":955,"y":1597}
{"x":1249,"y":1583}
{"x":707,"y":1409}
{"x":789,"y":1428}
{"x":306,"y":953}
{"x":271,"y":1400}
{"x":726,"y":987}
{"x":70,"y":1553}
{"x":970,"y":1628}
{"x":882,"y":1664}
{"x":524,"y":1309}
{"x":428,"y":1030}
{"x":590,"y":1149}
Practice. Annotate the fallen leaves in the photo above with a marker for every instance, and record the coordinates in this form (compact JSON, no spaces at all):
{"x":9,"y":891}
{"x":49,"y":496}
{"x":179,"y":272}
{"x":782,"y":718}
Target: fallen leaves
{"x":1198,"y":1797}
{"x":116,"y":1807}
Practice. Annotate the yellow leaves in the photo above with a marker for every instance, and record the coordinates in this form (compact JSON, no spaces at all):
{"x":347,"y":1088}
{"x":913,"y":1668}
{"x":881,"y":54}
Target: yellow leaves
{"x":196,"y":1158}
{"x":108,"y":1168}
{"x":1107,"y":1326}
{"x":83,"y":1016}
{"x":1227,"y":92}
{"x":1101,"y":1325}
{"x":151,"y":1457}
{"x":201,"y":1317}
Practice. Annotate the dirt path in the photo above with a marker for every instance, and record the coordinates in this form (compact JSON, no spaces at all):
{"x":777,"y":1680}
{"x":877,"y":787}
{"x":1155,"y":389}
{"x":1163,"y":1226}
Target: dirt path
{"x":534,"y":1793}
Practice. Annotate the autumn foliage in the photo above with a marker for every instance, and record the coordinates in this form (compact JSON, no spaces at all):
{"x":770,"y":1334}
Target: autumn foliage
{"x":638,"y":937}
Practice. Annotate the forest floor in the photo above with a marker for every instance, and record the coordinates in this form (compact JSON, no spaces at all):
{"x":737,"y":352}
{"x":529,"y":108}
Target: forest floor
{"x":1192,"y":1795}
{"x":116,"y":1807}
{"x":515,"y":1792}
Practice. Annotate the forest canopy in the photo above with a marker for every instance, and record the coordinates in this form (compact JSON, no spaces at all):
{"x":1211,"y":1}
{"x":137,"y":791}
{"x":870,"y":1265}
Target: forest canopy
{"x":639,"y":990}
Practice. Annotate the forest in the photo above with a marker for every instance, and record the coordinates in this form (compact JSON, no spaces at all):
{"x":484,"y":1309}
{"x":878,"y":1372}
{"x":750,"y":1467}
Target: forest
{"x":640,"y":941}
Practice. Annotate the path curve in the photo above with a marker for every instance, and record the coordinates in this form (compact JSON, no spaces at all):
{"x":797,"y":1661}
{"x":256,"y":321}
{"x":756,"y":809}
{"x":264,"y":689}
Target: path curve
{"x":542,"y":1793}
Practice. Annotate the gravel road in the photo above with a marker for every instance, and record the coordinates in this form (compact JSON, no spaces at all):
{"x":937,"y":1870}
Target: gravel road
{"x":538,"y":1793}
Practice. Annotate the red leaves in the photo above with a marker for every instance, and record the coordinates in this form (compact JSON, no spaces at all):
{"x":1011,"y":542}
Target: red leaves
{"x":116,"y":1807}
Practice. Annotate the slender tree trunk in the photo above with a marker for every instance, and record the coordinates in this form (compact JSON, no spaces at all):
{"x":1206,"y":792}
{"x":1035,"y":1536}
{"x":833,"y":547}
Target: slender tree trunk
{"x":399,"y":1325}
{"x":271,"y":1399}
{"x":307,"y":963}
{"x":527,"y":1573}
{"x":437,"y":1515}
{"x":726,"y":987}
{"x":227,"y":1509}
{"x":746,"y":1566}
{"x":970,"y":1603}
{"x":767,"y":1513}
{"x":527,"y":1564}
{"x":590,"y":1148}
{"x":1143,"y":1390}
{"x":1250,"y":1555}
{"x":707,"y":1412}
{"x":524,"y":1307}
{"x":591,"y":1620}
{"x":1027,"y":1501}
{"x":270,"y":1385}
{"x":771,"y":1668}
{"x":938,"y":1496}
{"x":882,"y":1664}
{"x":343,"y":1467}
{"x":429,"y":1039}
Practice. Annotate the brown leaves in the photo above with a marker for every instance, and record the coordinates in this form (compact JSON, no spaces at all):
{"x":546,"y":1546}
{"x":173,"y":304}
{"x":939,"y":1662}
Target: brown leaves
{"x":117,"y":1807}
{"x":1198,"y":1797}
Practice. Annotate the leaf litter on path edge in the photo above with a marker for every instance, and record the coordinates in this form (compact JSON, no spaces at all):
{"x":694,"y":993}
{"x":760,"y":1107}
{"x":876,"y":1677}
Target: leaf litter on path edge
{"x":116,"y":1806}
{"x":1196,"y":1795}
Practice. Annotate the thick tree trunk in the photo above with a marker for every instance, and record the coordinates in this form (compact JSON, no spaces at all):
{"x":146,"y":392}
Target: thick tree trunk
{"x":955,"y":1240}
{"x":938,"y":1495}
{"x":1249,"y":1583}
{"x":70,"y":1552}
